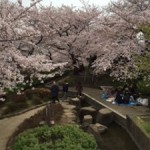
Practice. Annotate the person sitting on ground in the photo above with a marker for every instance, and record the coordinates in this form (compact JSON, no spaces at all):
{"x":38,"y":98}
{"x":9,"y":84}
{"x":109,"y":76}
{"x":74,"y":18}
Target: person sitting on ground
{"x":105,"y":93}
{"x":119,"y":96}
{"x":112,"y":95}
{"x":126,"y":96}
{"x":133,"y":90}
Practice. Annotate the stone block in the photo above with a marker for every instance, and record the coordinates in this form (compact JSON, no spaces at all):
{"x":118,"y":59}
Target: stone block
{"x":87,"y":111}
{"x":75,"y":101}
{"x":87,"y":119}
{"x":104,"y":116}
{"x":97,"y":128}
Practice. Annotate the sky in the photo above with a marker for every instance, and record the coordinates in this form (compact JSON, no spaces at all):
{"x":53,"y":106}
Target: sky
{"x":76,"y":3}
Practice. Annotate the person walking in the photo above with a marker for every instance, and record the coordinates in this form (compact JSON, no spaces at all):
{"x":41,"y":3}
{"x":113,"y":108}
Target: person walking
{"x":79,"y":89}
{"x":54,"y":92}
{"x":65,"y":90}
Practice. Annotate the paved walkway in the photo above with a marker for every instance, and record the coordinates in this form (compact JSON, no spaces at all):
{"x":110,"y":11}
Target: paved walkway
{"x":9,"y":125}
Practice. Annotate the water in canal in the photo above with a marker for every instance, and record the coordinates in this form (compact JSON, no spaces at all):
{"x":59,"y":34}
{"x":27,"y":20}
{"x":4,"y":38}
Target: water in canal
{"x":116,"y":138}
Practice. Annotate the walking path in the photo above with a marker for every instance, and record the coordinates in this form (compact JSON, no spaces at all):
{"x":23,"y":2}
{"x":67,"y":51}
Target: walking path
{"x":9,"y":125}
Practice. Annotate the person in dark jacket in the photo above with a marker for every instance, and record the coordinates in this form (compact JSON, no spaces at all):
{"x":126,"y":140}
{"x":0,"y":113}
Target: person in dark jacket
{"x":79,"y":89}
{"x":54,"y":92}
{"x":65,"y":90}
{"x":119,"y":96}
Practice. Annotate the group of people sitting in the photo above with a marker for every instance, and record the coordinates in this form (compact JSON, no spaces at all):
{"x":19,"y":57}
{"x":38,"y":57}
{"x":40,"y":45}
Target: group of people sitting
{"x":126,"y":95}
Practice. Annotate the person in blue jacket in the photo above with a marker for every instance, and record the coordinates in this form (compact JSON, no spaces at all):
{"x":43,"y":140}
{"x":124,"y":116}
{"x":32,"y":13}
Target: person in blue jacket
{"x":54,"y":92}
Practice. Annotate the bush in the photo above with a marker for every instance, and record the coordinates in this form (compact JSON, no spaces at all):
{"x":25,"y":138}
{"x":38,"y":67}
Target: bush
{"x":40,"y":92}
{"x":21,"y":98}
{"x":12,"y":107}
{"x":143,"y":87}
{"x":36,"y":100}
{"x":56,"y":138}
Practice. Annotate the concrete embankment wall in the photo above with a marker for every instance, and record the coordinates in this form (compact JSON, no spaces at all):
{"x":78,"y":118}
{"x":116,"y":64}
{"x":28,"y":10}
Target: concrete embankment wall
{"x":139,"y":137}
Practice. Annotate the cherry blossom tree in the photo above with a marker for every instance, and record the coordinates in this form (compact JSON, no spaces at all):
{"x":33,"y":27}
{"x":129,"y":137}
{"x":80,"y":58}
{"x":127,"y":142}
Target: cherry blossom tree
{"x":38,"y":40}
{"x":65,"y":31}
{"x":114,"y":40}
{"x":41,"y":41}
{"x":18,"y":62}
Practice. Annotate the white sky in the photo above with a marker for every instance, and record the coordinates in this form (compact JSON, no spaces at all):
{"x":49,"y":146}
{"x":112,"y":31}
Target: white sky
{"x":76,"y":3}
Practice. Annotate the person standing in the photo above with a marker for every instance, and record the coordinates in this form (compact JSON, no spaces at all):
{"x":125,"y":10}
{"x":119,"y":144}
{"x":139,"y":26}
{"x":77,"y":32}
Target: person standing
{"x":54,"y":92}
{"x":79,"y":89}
{"x":65,"y":90}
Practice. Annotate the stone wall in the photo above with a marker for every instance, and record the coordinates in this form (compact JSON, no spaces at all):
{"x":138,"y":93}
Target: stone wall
{"x":142,"y":141}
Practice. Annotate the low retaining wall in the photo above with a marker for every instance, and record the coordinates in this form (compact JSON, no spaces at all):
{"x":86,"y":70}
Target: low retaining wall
{"x":139,"y":137}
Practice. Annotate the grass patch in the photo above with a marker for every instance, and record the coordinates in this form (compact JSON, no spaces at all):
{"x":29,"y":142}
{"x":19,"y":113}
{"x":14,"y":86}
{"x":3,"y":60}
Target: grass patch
{"x":147,"y":128}
{"x":144,"y":123}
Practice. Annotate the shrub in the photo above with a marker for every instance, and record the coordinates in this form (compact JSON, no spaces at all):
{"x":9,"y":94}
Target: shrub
{"x":36,"y":100}
{"x":14,"y":103}
{"x":16,"y":98}
{"x":40,"y":92}
{"x":12,"y":107}
{"x":143,"y":87}
{"x":56,"y":138}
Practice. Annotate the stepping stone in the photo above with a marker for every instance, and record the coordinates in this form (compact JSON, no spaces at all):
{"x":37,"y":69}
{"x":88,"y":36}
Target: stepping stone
{"x":104,"y":116}
{"x":69,"y":110}
{"x":75,"y":101}
{"x":70,"y":115}
{"x":87,"y":111}
{"x":97,"y":128}
{"x":83,"y":101}
{"x":42,"y":123}
{"x":68,"y":106}
{"x":87,"y":119}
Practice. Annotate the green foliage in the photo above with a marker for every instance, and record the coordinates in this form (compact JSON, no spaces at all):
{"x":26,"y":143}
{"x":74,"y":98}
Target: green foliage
{"x":38,"y":92}
{"x":143,"y":87}
{"x":10,"y":91}
{"x":19,"y":102}
{"x":143,"y":64}
{"x":147,"y":128}
{"x":13,"y":107}
{"x":146,"y":30}
{"x":55,"y":138}
{"x":144,"y":123}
